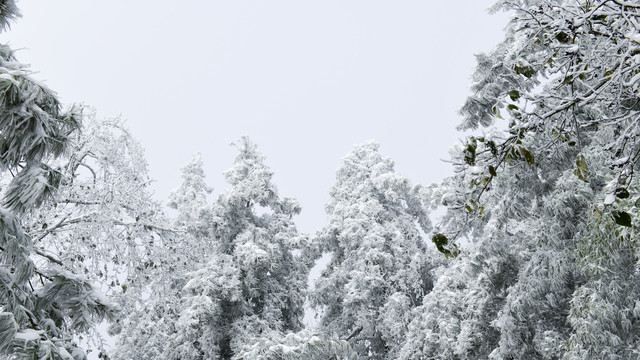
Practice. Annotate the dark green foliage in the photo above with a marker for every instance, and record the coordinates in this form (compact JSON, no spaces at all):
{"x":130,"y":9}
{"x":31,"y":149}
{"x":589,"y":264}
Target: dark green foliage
{"x":621,"y":218}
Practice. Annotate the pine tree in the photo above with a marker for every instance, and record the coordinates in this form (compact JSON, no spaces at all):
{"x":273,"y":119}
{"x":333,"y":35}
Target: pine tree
{"x":253,"y":285}
{"x":380,"y":266}
{"x":304,"y":344}
{"x":190,"y":199}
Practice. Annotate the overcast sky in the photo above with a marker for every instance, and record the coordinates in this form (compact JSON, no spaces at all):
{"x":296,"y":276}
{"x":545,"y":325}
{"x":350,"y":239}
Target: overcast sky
{"x":306,"y":80}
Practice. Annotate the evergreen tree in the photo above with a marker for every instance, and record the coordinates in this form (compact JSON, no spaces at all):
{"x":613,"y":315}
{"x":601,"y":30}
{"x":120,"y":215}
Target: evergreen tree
{"x":380,"y":266}
{"x":254,"y":283}
{"x":43,"y":303}
{"x":190,"y":199}
{"x":305,"y":344}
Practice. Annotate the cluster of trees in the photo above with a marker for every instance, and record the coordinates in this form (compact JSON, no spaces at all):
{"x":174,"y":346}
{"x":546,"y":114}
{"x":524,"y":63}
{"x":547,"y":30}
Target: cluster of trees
{"x":535,"y":257}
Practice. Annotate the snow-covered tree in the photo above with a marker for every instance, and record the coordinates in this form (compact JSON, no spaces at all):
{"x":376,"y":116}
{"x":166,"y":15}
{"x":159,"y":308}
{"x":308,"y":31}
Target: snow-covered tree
{"x":254,"y":283}
{"x":506,"y":295}
{"x":43,"y":301}
{"x":552,"y":195}
{"x":305,"y":344}
{"x":380,"y":266}
{"x":190,"y":199}
{"x":145,"y":332}
{"x":102,"y":221}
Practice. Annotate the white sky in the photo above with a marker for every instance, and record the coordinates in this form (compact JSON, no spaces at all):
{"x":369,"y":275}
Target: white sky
{"x":305,"y":80}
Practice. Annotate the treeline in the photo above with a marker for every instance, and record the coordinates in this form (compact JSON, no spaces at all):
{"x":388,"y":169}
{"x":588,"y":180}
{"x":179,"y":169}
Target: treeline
{"x":536,"y":256}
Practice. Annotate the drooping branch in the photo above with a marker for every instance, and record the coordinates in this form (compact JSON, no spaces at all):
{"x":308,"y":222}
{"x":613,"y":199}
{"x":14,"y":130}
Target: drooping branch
{"x":354,"y":333}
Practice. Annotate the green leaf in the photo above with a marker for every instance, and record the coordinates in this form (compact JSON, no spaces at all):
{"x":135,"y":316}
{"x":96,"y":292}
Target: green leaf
{"x":599,"y":18}
{"x":439,"y":239}
{"x":492,"y":146}
{"x":451,"y":254}
{"x":582,"y":170}
{"x":622,"y":193}
{"x":512,"y":154}
{"x":550,"y":62}
{"x":621,"y":218}
{"x":637,"y":204}
{"x":512,"y":107}
{"x":563,"y":37}
{"x":526,"y":71}
{"x":470,"y":154}
{"x":514,"y":95}
{"x":527,"y":155}
{"x":480,"y":211}
{"x":492,"y":171}
{"x":496,"y":112}
{"x":568,"y":80}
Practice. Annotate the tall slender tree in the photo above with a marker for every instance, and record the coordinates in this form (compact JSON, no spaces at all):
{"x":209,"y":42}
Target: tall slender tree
{"x":144,"y":333}
{"x":380,"y":266}
{"x":254,"y":284}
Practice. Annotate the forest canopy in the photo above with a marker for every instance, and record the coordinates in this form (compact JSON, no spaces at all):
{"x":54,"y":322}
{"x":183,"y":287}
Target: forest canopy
{"x":534,"y":257}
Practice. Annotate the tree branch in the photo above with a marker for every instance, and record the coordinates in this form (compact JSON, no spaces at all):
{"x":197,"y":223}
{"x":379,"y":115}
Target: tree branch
{"x":354,"y":333}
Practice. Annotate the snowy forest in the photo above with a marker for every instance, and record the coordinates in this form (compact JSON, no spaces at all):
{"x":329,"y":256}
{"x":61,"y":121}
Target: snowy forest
{"x":527,"y":250}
